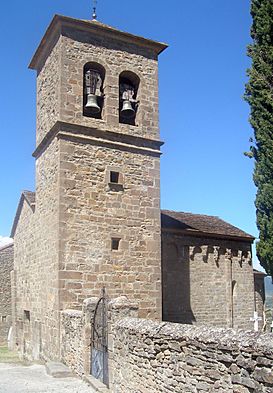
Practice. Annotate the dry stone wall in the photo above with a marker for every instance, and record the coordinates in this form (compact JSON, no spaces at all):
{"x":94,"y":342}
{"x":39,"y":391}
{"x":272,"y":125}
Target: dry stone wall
{"x":151,"y":357}
{"x":6,"y":266}
{"x":72,"y":337}
{"x":207,"y":281}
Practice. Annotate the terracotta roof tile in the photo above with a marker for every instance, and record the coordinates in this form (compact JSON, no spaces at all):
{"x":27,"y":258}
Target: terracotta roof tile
{"x":189,"y":222}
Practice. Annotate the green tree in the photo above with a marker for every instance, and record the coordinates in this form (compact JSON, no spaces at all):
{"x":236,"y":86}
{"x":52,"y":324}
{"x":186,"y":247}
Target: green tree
{"x":259,"y":95}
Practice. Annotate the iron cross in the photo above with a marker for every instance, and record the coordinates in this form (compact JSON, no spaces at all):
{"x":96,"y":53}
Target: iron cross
{"x":95,"y":2}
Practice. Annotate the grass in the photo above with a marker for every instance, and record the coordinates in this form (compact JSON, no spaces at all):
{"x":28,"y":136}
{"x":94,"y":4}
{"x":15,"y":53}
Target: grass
{"x":7,"y":356}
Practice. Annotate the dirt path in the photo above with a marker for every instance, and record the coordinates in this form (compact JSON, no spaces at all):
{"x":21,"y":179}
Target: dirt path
{"x":33,"y":379}
{"x":15,"y":377}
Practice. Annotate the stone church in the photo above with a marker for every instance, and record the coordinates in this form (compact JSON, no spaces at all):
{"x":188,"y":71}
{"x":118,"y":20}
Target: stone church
{"x":94,"y":220}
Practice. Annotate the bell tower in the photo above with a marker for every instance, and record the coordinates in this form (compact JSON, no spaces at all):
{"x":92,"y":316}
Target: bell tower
{"x":97,"y":164}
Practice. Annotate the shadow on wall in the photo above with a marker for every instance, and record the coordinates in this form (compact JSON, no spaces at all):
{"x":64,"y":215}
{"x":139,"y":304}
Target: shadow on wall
{"x":176,"y":284}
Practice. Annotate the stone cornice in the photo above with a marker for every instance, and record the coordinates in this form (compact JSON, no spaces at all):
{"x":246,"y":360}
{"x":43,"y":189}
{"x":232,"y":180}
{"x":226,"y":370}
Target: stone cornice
{"x":195,"y":233}
{"x":95,"y":136}
{"x":59,"y":22}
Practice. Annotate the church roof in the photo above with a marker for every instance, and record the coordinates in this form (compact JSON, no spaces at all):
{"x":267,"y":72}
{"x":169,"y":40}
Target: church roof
{"x":29,"y":197}
{"x":200,"y":224}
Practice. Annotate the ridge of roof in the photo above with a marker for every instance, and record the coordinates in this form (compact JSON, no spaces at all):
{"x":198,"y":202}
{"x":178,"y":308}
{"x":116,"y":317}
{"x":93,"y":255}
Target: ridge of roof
{"x":201,"y":223}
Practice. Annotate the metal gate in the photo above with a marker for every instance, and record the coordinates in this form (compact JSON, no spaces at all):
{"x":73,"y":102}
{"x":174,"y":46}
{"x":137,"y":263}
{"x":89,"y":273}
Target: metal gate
{"x":99,"y":341}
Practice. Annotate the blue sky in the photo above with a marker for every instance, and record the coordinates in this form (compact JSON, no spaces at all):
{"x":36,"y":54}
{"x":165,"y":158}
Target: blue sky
{"x":203,"y":118}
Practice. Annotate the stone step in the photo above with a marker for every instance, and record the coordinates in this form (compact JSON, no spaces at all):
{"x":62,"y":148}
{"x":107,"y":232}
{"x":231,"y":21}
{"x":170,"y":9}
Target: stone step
{"x":97,"y":385}
{"x":58,"y":370}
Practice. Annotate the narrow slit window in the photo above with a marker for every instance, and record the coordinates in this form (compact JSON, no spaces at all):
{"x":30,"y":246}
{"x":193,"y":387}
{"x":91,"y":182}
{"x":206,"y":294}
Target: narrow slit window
{"x":27,"y":315}
{"x":114,"y":177}
{"x":115,"y":243}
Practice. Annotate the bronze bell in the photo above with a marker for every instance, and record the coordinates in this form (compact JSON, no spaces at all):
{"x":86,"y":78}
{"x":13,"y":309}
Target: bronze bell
{"x":92,"y":104}
{"x":127,"y":110}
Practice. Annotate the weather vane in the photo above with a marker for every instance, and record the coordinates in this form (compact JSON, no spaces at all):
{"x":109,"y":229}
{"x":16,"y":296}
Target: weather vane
{"x":95,"y":2}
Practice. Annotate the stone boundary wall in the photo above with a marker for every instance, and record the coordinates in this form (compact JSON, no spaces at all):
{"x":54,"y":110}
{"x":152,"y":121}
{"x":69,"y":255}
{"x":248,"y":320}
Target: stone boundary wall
{"x":76,"y":332}
{"x":72,"y":340}
{"x":6,"y":266}
{"x":166,"y":357}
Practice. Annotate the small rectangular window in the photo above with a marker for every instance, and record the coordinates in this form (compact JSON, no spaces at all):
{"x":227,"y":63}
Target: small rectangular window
{"x":27,"y":315}
{"x":114,"y":177}
{"x":4,"y":318}
{"x":115,"y":243}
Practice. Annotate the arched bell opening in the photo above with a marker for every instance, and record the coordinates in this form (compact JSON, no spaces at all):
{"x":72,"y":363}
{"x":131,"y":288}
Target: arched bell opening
{"x":128,"y":103}
{"x":93,"y":79}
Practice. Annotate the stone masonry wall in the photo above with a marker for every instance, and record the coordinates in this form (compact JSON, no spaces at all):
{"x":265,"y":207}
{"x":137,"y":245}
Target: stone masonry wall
{"x":6,"y":266}
{"x":37,"y":265}
{"x":259,"y":298}
{"x":207,"y":281}
{"x":24,"y":263}
{"x":48,"y":94}
{"x":60,"y":84}
{"x":47,"y":250}
{"x":76,"y":333}
{"x":92,"y":211}
{"x":151,"y":357}
{"x":115,"y":56}
{"x":66,"y":253}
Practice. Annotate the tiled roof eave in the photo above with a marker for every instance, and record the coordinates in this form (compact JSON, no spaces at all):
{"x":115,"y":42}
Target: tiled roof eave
{"x":199,"y":234}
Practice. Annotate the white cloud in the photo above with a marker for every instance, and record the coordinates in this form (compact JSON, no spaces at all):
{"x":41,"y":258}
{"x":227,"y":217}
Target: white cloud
{"x":4,"y":241}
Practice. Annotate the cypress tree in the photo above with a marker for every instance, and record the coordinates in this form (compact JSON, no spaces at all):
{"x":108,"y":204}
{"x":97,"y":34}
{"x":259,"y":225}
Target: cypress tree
{"x":259,"y":95}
